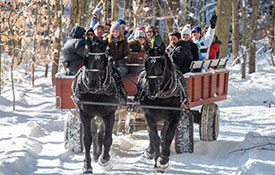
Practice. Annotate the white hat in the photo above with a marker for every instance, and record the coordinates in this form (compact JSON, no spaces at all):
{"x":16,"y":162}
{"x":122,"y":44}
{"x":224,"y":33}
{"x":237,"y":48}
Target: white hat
{"x":139,"y":33}
{"x":186,"y":30}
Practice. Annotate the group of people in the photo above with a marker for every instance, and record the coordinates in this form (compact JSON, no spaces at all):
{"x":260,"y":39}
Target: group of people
{"x":184,"y":47}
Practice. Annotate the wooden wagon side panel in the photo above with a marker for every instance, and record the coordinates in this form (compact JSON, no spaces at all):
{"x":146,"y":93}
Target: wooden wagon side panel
{"x":207,"y":88}
{"x":64,"y":92}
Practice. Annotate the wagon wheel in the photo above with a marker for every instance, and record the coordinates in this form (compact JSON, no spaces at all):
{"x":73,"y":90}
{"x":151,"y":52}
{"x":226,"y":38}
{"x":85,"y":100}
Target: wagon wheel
{"x":184,"y":142}
{"x":73,"y":132}
{"x":210,"y":122}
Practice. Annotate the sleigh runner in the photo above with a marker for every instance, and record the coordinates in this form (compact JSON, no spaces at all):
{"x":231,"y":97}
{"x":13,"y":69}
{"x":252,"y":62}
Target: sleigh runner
{"x":204,"y":89}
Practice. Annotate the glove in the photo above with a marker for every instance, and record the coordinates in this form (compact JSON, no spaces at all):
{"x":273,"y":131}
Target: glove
{"x":98,"y":8}
{"x":213,"y":21}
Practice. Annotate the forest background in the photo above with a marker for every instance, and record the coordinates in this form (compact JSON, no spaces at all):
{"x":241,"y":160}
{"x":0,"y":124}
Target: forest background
{"x":33,"y":32}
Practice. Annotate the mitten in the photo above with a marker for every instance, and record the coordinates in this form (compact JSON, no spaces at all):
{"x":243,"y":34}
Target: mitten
{"x":213,"y":21}
{"x":98,"y":8}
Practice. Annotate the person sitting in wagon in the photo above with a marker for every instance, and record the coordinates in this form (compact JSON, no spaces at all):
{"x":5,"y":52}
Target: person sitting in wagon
{"x":180,"y":52}
{"x":140,"y":44}
{"x":118,"y":48}
{"x":205,"y":41}
{"x":155,"y":39}
{"x":74,"y":50}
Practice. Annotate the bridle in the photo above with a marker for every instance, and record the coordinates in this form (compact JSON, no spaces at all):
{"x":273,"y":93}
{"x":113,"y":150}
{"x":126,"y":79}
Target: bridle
{"x":155,"y":76}
{"x":103,"y":87}
{"x":96,"y":56}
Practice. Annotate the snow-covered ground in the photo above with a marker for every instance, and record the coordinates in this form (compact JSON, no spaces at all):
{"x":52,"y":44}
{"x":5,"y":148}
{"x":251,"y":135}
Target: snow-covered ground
{"x":32,"y":137}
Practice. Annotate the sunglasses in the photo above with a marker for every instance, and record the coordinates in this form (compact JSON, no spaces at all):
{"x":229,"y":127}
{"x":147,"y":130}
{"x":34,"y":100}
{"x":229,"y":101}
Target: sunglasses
{"x":90,"y":34}
{"x":149,"y":32}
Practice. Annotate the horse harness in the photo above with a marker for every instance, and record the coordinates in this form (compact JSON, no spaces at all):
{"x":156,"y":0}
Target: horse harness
{"x":175,"y":85}
{"x":80,"y":86}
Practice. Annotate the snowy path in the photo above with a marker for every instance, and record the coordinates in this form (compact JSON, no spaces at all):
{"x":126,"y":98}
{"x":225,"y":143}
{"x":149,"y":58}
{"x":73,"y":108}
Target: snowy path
{"x":36,"y":147}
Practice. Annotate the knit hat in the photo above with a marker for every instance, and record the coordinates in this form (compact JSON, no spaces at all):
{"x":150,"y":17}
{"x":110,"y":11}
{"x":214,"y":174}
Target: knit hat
{"x":98,"y":25}
{"x":115,"y":26}
{"x":77,"y":32}
{"x":196,"y":29}
{"x":186,"y":30}
{"x":141,"y":28}
{"x":139,"y":33}
{"x":121,"y":21}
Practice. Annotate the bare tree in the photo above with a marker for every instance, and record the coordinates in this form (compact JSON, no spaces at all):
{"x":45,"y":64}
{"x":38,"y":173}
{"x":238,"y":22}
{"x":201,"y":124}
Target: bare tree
{"x":115,"y":9}
{"x":185,"y":13}
{"x":235,"y":31}
{"x":244,"y":37}
{"x":223,"y":25}
{"x":80,"y":12}
{"x":252,"y":48}
{"x":57,"y":40}
{"x":272,"y":33}
{"x":203,"y":14}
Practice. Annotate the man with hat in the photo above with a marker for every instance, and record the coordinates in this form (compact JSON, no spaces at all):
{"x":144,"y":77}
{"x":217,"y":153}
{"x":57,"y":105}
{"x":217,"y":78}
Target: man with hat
{"x":204,"y":42}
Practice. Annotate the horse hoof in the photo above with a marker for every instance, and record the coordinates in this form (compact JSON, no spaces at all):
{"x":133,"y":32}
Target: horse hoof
{"x":87,"y":170}
{"x":148,"y":155}
{"x":103,"y":162}
{"x":162,"y":164}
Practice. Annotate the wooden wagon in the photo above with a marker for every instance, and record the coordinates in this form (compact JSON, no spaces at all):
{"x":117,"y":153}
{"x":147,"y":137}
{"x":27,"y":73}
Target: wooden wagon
{"x":204,"y":89}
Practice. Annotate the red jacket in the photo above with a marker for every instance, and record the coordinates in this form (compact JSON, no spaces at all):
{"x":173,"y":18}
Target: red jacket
{"x":214,"y":48}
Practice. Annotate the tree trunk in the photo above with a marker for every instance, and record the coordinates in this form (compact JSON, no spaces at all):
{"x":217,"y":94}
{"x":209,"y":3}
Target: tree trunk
{"x":106,"y":11}
{"x":169,"y":21}
{"x":135,"y":5}
{"x":235,"y":31}
{"x":0,"y":60}
{"x":252,"y":48}
{"x":49,"y":13}
{"x":185,"y":12}
{"x":35,"y":44}
{"x":203,"y":14}
{"x":272,"y":36}
{"x":57,"y":41}
{"x":80,"y":12}
{"x":12,"y":82}
{"x":74,"y":12}
{"x":115,"y":10}
{"x":244,"y":44}
{"x":223,"y":25}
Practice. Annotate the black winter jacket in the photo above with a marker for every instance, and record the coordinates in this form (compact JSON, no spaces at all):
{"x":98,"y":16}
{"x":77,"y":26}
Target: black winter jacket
{"x":182,"y":56}
{"x":74,"y":50}
{"x":136,"y":47}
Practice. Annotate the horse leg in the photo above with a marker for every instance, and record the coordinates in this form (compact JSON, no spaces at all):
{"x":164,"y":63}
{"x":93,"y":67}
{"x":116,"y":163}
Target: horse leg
{"x":100,"y":140}
{"x":154,"y":145}
{"x":109,"y":124}
{"x":95,"y":138}
{"x":165,"y":145}
{"x":85,"y":119}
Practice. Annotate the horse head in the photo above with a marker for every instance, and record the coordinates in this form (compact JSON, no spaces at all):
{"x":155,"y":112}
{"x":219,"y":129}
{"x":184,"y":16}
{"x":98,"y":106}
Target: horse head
{"x":156,"y":68}
{"x":95,"y":65}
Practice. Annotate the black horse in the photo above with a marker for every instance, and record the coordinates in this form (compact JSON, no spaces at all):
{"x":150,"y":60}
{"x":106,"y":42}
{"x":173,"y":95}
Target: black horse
{"x":161,"y":85}
{"x":97,"y":82}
